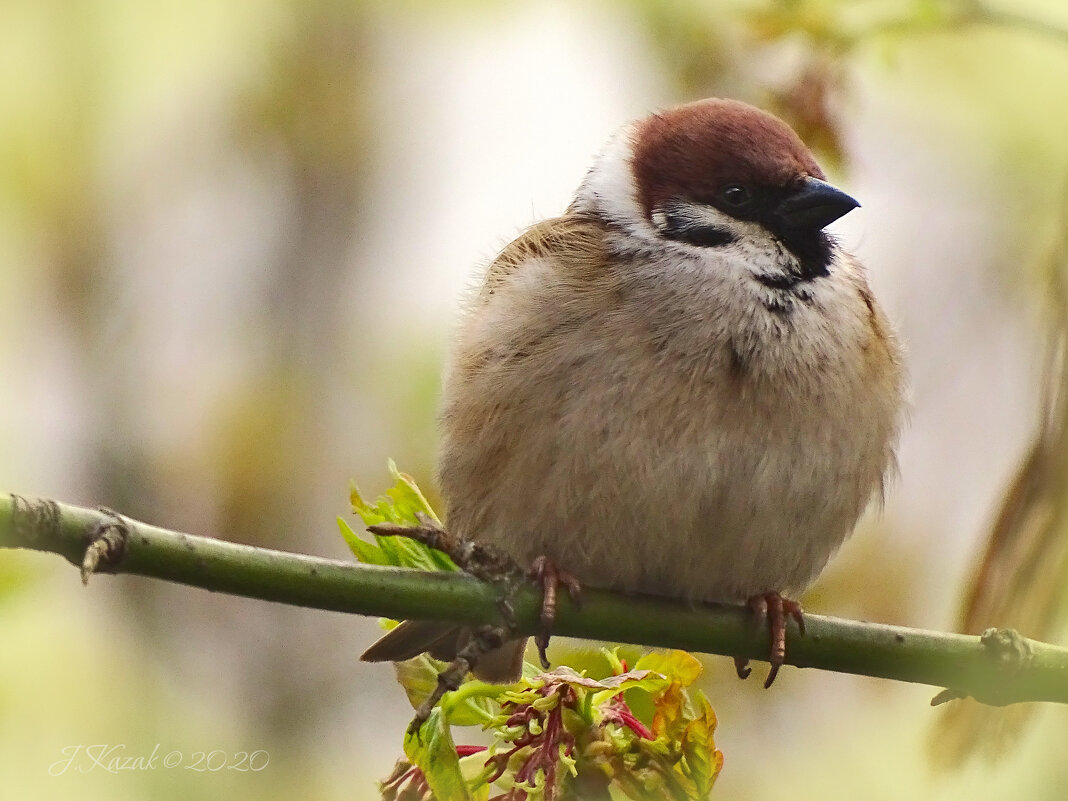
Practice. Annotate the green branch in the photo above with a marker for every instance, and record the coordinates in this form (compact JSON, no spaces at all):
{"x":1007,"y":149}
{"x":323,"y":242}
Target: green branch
{"x":999,"y":668}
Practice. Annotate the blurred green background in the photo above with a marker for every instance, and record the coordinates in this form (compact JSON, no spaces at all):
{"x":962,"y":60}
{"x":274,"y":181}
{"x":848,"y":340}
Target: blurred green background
{"x":233,"y":237}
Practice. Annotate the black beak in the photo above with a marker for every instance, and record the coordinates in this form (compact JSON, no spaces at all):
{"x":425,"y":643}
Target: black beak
{"x":813,"y":205}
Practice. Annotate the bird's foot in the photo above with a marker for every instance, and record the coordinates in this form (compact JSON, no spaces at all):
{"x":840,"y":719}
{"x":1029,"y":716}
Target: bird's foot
{"x":775,"y":609}
{"x":479,"y":559}
{"x":483,"y":640}
{"x":490,"y":638}
{"x":545,"y":572}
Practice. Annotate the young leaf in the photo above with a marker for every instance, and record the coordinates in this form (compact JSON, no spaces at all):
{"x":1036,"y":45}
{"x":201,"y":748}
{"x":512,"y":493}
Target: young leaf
{"x":473,"y":704}
{"x":364,"y":551}
{"x":678,"y":666}
{"x":702,"y":761}
{"x":432,"y":750}
{"x":407,"y":498}
{"x":401,"y":504}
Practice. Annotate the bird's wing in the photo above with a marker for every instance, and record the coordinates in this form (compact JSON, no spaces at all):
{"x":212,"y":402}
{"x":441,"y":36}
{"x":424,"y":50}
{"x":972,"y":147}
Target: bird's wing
{"x":574,"y":240}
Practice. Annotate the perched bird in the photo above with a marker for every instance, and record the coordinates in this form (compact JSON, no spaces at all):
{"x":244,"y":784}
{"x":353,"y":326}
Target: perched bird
{"x":682,"y":386}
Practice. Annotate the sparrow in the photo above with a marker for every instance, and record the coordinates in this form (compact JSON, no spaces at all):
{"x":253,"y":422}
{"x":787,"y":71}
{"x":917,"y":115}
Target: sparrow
{"x":682,"y":386}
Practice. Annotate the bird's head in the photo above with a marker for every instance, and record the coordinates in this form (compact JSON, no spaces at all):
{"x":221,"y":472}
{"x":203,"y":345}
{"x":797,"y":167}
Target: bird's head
{"x":712,"y":174}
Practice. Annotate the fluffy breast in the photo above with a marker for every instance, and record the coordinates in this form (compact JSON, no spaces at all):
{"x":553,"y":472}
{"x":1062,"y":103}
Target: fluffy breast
{"x":686,"y":437}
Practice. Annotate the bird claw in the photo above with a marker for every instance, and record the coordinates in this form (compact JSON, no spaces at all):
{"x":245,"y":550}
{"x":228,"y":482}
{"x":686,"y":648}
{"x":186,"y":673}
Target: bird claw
{"x":550,"y":577}
{"x":741,"y":667}
{"x":483,"y":640}
{"x":773,"y":608}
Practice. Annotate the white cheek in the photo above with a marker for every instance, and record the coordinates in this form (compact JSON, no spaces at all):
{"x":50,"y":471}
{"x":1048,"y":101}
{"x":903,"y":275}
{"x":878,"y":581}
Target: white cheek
{"x":610,"y":192}
{"x":752,"y":241}
{"x":609,"y":189}
{"x":753,"y":251}
{"x":757,"y":251}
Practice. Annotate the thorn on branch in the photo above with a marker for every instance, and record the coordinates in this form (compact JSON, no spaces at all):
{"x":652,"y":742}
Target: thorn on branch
{"x":105,"y":544}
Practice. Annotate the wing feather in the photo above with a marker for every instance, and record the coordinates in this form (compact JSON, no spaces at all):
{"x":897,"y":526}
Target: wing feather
{"x":576,"y":241}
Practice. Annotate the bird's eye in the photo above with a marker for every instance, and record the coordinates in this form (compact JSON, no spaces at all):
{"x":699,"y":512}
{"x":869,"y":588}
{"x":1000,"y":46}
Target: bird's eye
{"x":736,"y":195}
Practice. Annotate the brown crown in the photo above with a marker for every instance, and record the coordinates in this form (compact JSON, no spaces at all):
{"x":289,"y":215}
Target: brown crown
{"x":694,"y":150}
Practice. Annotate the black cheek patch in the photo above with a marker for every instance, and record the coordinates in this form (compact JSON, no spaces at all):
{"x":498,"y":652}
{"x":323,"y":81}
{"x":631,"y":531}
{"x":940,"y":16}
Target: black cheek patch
{"x":703,"y":236}
{"x":684,"y":228}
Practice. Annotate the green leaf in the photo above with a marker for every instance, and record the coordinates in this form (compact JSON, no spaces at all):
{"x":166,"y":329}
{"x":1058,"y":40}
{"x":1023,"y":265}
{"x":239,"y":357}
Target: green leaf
{"x":673,"y":758}
{"x":370,"y":513}
{"x":678,"y":666}
{"x":702,"y":761}
{"x":670,"y":704}
{"x":364,"y":551}
{"x":407,"y":498}
{"x":402,"y":504}
{"x":473,"y":704}
{"x":642,"y":680}
{"x":431,"y":748}
{"x":613,"y":685}
{"x":418,"y":677}
{"x":474,"y":770}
